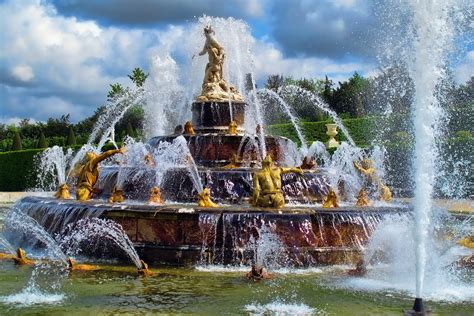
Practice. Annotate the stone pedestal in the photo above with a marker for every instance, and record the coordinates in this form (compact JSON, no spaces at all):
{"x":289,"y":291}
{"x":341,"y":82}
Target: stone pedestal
{"x":214,"y":117}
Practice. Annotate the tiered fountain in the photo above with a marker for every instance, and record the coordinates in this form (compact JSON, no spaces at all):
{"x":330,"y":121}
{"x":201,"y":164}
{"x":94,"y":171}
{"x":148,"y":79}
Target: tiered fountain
{"x":215,"y":162}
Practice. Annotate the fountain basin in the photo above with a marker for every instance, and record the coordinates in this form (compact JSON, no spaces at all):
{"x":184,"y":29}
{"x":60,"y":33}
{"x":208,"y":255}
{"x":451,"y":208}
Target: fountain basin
{"x":184,"y":234}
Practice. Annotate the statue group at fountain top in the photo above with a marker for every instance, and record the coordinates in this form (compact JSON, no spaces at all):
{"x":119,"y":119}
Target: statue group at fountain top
{"x":214,"y":86}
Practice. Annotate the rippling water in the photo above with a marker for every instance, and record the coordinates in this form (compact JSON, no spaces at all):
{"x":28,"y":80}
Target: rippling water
{"x":203,"y":290}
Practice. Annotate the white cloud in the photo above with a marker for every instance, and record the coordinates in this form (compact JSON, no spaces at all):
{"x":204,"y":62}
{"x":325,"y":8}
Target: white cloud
{"x":465,"y":70}
{"x":23,"y":73}
{"x":269,"y":60}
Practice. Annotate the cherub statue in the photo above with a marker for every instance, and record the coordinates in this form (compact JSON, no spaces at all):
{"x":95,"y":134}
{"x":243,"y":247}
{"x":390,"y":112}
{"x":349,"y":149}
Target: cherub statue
{"x":362,"y":198}
{"x":267,"y":190}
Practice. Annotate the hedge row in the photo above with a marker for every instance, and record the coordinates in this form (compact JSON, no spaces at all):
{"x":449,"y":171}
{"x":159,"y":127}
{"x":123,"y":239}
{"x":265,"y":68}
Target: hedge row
{"x":362,"y":130}
{"x":17,"y":170}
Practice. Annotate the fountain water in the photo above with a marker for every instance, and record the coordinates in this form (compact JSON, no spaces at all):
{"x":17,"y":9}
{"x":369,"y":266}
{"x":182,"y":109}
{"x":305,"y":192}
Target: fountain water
{"x":52,"y":164}
{"x":286,"y":108}
{"x":93,"y":232}
{"x":321,"y":105}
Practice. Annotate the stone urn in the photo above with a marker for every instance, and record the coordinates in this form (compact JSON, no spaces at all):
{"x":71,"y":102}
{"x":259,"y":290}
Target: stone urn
{"x":332,"y":132}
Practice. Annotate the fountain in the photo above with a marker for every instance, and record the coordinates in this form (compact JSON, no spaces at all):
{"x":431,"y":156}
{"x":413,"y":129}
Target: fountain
{"x":160,"y":192}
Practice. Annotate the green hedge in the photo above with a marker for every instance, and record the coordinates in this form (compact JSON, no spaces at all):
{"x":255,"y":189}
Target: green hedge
{"x":17,"y":170}
{"x":361,"y":130}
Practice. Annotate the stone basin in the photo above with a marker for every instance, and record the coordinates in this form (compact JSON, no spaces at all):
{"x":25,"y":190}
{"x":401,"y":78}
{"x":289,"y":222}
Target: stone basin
{"x":184,"y":234}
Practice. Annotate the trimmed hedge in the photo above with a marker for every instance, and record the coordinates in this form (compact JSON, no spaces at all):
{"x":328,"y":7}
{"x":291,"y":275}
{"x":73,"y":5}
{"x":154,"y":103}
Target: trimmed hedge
{"x":17,"y":170}
{"x":362,"y":130}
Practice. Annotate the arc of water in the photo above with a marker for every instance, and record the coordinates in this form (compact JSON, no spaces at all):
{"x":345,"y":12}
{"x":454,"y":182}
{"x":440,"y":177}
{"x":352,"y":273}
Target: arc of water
{"x":294,"y":120}
{"x":320,"y":104}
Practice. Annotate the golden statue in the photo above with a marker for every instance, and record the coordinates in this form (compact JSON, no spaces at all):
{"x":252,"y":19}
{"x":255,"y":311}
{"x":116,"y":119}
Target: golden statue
{"x":90,"y":173}
{"x":235,"y":162}
{"x":204,"y":199}
{"x":188,"y":128}
{"x":149,"y":160}
{"x":155,"y":196}
{"x":362,"y":198}
{"x":63,"y":192}
{"x":214,"y":87}
{"x":232,"y":128}
{"x":73,"y":266}
{"x":309,"y":163}
{"x":21,"y":258}
{"x":331,"y":200}
{"x":467,"y":242}
{"x":368,"y":171}
{"x":144,"y":270}
{"x":117,"y":196}
{"x":5,"y":256}
{"x":267,"y":190}
{"x":385,"y":193}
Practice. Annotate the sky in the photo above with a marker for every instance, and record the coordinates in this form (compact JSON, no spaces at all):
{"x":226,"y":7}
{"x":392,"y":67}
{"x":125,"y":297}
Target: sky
{"x":59,"y":56}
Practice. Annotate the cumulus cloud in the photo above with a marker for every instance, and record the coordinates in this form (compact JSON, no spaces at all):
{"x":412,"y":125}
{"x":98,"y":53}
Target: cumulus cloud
{"x":55,"y":56}
{"x":52,"y":65}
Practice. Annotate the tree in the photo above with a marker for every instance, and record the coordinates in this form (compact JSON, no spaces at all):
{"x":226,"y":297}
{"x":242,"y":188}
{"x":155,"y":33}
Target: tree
{"x":138,"y":77}
{"x":116,"y":90}
{"x":274,"y":82}
{"x":71,"y":138}
{"x":327,"y":92}
{"x":349,"y":97}
{"x":16,"y":142}
{"x":42,"y":141}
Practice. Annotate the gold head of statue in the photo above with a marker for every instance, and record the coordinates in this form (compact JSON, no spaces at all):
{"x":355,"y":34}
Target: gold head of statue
{"x":21,"y":258}
{"x":331,"y":199}
{"x":63,"y":192}
{"x":117,"y":196}
{"x":155,"y":196}
{"x":234,"y":162}
{"x":188,"y":128}
{"x":362,"y":198}
{"x":366,"y":163}
{"x":267,"y":162}
{"x":204,"y":199}
{"x":308,"y":163}
{"x":144,"y":271}
{"x":232,"y":128}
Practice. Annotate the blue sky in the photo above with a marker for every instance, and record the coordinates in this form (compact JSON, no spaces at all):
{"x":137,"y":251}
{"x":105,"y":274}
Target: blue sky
{"x":59,"y":56}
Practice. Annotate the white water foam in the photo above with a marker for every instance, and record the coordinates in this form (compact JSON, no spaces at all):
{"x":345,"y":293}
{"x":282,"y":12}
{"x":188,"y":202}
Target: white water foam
{"x":31,"y":296}
{"x":279,"y":308}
